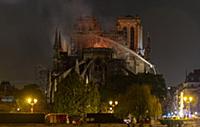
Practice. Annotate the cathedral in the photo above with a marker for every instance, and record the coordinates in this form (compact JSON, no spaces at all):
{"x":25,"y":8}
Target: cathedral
{"x":95,"y":54}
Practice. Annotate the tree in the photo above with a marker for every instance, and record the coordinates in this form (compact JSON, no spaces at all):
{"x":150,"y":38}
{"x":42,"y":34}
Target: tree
{"x":74,"y":96}
{"x":155,"y":107}
{"x":117,"y":84}
{"x":157,"y":83}
{"x":139,"y":102}
{"x":92,"y":99}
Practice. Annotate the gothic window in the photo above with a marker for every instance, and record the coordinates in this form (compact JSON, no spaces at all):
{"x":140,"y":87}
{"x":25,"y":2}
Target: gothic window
{"x":132,"y":39}
{"x":125,"y":33}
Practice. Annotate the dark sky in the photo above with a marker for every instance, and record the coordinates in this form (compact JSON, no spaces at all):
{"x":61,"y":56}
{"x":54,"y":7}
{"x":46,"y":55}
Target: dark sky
{"x":27,"y":28}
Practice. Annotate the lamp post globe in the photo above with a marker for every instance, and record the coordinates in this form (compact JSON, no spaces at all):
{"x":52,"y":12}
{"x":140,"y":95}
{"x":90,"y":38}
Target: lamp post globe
{"x":32,"y":102}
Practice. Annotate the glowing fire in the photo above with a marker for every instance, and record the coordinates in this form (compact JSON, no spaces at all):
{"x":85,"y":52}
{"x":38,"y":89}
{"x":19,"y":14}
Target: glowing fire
{"x":100,"y":45}
{"x":88,"y":41}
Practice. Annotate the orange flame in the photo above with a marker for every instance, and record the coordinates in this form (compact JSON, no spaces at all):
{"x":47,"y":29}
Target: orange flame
{"x":100,"y":45}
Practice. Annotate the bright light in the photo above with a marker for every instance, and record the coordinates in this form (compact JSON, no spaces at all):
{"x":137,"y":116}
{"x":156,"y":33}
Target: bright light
{"x":185,"y":98}
{"x":29,"y":100}
{"x":181,"y":105}
{"x":87,"y":80}
{"x":190,"y":99}
{"x":112,"y":105}
{"x":127,"y":121}
{"x":18,"y":109}
{"x":35,"y":100}
{"x":110,"y":102}
{"x":32,"y":102}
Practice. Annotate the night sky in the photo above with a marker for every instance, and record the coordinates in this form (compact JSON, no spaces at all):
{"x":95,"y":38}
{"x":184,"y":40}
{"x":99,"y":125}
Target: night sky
{"x":27,"y":28}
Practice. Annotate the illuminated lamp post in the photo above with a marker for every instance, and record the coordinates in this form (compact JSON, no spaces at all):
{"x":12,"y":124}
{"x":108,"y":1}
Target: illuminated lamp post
{"x":112,"y":105}
{"x":188,"y":101}
{"x":32,"y":102}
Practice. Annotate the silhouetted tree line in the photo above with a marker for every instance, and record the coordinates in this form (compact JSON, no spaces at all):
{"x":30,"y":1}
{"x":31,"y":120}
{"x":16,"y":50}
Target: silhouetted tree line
{"x":140,"y":95}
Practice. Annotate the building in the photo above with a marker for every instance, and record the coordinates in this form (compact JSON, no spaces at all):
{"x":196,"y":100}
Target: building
{"x":7,"y":100}
{"x":189,"y":89}
{"x":94,"y":54}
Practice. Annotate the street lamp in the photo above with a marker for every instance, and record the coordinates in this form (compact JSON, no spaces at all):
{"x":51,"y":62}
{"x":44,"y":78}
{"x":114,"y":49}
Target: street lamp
{"x":188,"y":100}
{"x":32,"y":102}
{"x":112,"y":104}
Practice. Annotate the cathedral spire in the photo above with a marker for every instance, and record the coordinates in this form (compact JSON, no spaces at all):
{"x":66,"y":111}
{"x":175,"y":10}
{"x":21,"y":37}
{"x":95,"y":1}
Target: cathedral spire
{"x":57,"y":50}
{"x":58,"y":41}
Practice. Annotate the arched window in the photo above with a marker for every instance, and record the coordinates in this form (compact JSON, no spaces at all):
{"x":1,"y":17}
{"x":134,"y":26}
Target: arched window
{"x":132,"y":32}
{"x":125,"y":33}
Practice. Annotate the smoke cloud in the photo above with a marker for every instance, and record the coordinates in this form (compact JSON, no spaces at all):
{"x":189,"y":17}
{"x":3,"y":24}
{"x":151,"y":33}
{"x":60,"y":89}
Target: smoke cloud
{"x":27,"y":33}
{"x":10,"y":1}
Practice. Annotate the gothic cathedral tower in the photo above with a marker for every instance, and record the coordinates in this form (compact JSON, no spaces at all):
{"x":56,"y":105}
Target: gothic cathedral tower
{"x":131,"y":29}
